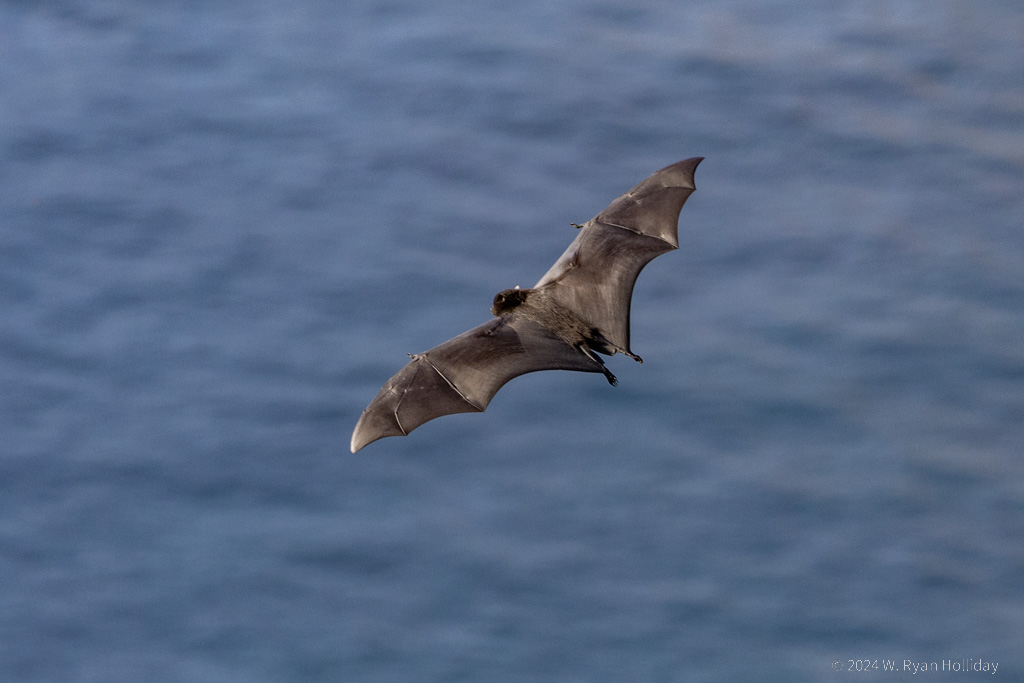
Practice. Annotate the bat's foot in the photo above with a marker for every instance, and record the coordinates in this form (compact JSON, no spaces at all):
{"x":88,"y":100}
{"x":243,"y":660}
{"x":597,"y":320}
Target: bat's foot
{"x":607,"y":373}
{"x":624,"y":351}
{"x":635,"y":357}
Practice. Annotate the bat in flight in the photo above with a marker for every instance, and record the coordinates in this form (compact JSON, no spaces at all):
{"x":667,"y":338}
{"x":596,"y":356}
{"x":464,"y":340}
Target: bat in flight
{"x":579,"y":307}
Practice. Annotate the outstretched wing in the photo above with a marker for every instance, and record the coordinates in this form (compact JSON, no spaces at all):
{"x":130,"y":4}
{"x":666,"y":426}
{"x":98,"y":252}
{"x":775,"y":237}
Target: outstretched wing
{"x":463,"y":374}
{"x":596,"y":274}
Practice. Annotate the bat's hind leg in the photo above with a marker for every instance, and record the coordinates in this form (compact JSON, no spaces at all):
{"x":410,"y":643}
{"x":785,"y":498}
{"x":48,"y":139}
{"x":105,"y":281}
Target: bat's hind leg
{"x":612,"y":379}
{"x":632,"y":355}
{"x":610,"y":348}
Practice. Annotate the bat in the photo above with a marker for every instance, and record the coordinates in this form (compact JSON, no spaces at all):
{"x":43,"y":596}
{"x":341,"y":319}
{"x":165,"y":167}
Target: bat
{"x":578,"y":309}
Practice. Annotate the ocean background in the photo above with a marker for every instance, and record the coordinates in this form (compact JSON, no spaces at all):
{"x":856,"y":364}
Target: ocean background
{"x":224,"y":224}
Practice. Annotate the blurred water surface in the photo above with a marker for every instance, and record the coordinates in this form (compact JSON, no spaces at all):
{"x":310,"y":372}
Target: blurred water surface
{"x":224,"y":224}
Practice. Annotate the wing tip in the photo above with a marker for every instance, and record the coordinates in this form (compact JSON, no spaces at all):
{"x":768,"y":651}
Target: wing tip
{"x":681,"y":173}
{"x":360,"y":437}
{"x":355,"y":445}
{"x":374,"y":424}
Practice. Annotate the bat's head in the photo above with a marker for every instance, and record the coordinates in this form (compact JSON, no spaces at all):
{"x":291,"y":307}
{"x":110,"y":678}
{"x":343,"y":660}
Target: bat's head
{"x":507,"y":299}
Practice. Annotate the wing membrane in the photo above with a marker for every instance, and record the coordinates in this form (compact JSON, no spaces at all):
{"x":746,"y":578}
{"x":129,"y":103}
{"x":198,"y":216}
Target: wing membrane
{"x":596,"y":274}
{"x":463,"y":374}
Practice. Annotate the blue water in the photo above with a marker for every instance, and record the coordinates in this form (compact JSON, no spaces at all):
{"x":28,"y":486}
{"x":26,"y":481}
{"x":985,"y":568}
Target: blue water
{"x":223,"y":225}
